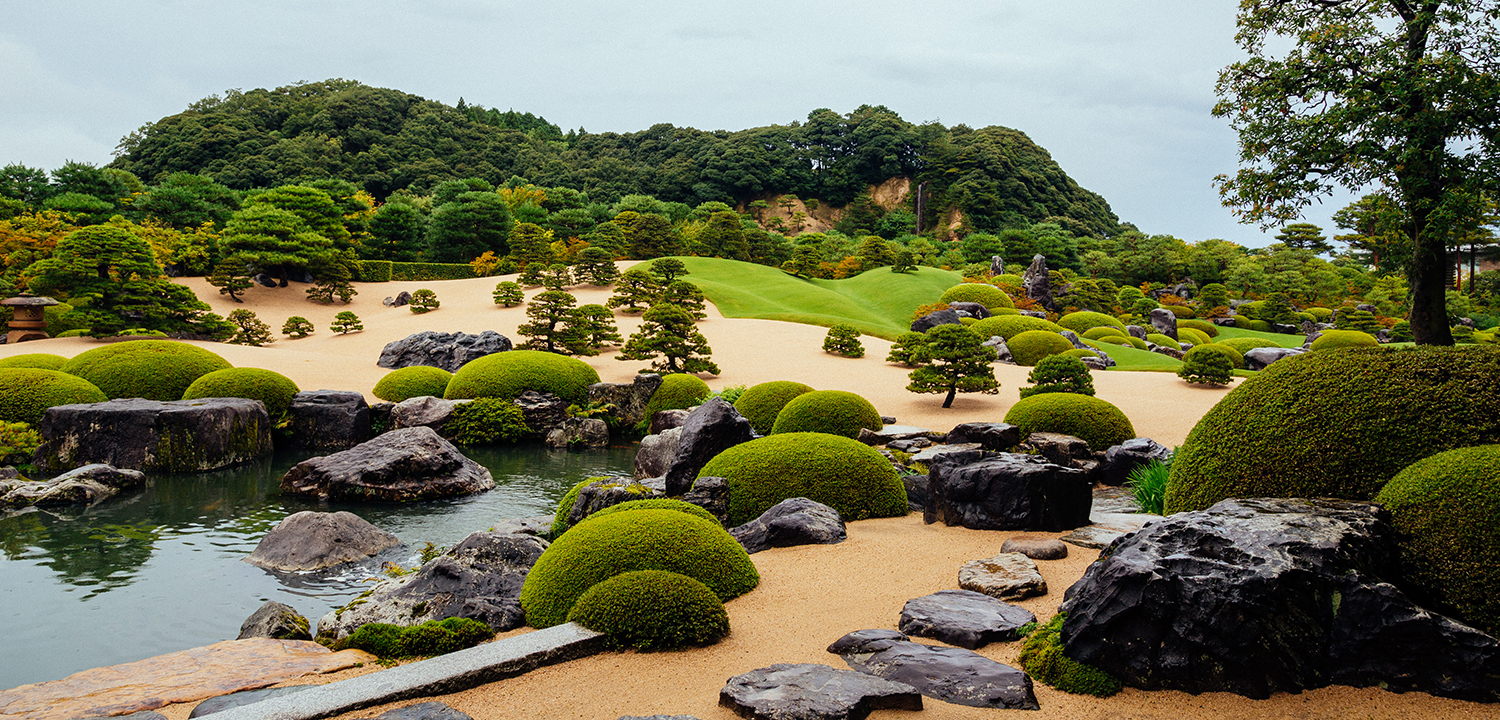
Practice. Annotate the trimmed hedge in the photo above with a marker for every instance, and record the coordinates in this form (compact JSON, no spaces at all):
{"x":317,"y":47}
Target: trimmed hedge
{"x":1245,"y":344}
{"x":655,"y":504}
{"x":762,"y":403}
{"x":409,"y":382}
{"x":26,"y":393}
{"x":1242,"y":322}
{"x":1236,"y":358}
{"x":678,"y":391}
{"x":1028,"y":348}
{"x":1203,"y":326}
{"x":44,"y":361}
{"x":418,"y":271}
{"x":508,"y":374}
{"x":846,"y":475}
{"x":1104,"y":331}
{"x":1099,"y":423}
{"x":652,"y":610}
{"x":1331,"y":339}
{"x":1260,"y":326}
{"x":1320,"y":314}
{"x":486,"y":421}
{"x":1084,"y":320}
{"x":1446,"y":509}
{"x":372,"y":271}
{"x":827,"y":411}
{"x":1009,"y":326}
{"x":151,"y":369}
{"x":592,"y":552}
{"x":272,"y":389}
{"x":1337,"y":424}
{"x":986,"y":295}
{"x":1193,"y":336}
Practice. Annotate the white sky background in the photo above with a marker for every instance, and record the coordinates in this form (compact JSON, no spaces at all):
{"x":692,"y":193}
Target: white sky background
{"x":1119,"y":92}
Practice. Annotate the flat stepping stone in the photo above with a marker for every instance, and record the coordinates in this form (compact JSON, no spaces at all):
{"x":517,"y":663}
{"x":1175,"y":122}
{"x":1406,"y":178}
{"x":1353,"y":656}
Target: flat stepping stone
{"x":954,"y":675}
{"x":244,"y":697}
{"x":1106,"y":528}
{"x":964,"y":618}
{"x":1007,"y":576}
{"x":927,"y":455}
{"x":424,"y":711}
{"x":804,"y":691}
{"x":1036,"y":547}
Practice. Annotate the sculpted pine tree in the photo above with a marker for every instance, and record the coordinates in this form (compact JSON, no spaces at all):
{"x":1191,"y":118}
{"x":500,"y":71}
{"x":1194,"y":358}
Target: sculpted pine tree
{"x":249,"y":329}
{"x":635,"y":290}
{"x":556,"y":277}
{"x":954,"y":360}
{"x":667,"y":270}
{"x":346,"y":322}
{"x":687,"y":296}
{"x":508,"y":294}
{"x":596,"y":267}
{"x":549,"y":312}
{"x":592,"y":327}
{"x":668,"y":333}
{"x":231,"y":277}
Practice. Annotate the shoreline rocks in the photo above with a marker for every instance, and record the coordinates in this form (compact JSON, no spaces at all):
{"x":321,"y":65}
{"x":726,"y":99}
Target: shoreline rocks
{"x":399,"y":466}
{"x":153,"y":435}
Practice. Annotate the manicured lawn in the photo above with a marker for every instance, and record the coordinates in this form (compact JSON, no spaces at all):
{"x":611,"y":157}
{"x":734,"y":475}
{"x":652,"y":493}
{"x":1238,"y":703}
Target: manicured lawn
{"x":1278,"y":338}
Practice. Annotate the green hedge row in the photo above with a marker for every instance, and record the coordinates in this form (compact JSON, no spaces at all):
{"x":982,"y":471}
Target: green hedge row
{"x":388,"y":271}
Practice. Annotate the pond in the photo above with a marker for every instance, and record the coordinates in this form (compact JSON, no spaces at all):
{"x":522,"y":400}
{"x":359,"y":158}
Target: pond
{"x":160,"y":570}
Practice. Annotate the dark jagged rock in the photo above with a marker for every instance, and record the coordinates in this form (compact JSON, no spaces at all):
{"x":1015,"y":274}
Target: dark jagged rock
{"x":964,"y":618}
{"x":274,"y":620}
{"x":579,"y":433}
{"x":402,"y":299}
{"x":795,"y":521}
{"x":1008,"y":492}
{"x":448,"y":351}
{"x":1038,"y":284}
{"x":711,"y":429}
{"x":264,"y":280}
{"x":1119,"y":461}
{"x":1164,"y":322}
{"x":970,"y":309}
{"x":1259,"y":358}
{"x":656,"y":453}
{"x":604,"y":493}
{"x":399,"y":466}
{"x":423,"y":411}
{"x":997,"y":265}
{"x":82,"y":486}
{"x":1060,"y":449}
{"x":711,"y":494}
{"x":243,"y":698}
{"x":629,"y":399}
{"x":803,"y":691}
{"x":543,"y":412}
{"x":934,"y":319}
{"x":916,"y":492}
{"x":153,"y":436}
{"x":962,"y":677}
{"x":892,"y":431}
{"x":960,"y":454}
{"x":1171,"y":352}
{"x":1136,"y":331}
{"x":990,"y":435}
{"x":327,"y":420}
{"x":480,"y":578}
{"x":315,"y":540}
{"x":664,"y":420}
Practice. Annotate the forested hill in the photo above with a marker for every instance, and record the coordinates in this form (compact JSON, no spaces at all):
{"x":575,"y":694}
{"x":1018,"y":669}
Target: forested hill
{"x":386,"y":140}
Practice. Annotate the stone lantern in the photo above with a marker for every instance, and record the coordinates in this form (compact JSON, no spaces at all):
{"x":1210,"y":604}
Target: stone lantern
{"x":28,"y":321}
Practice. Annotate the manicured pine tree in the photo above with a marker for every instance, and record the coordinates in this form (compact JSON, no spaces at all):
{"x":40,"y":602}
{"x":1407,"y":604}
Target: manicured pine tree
{"x":635,"y":290}
{"x":843,"y":339}
{"x":1059,"y":373}
{"x":549,"y":312}
{"x":508,"y":294}
{"x":667,"y":270}
{"x":297,"y":327}
{"x":556,"y":277}
{"x":905,"y":262}
{"x":687,"y":296}
{"x":250,"y":330}
{"x":423,"y":301}
{"x":346,"y":322}
{"x":596,"y":267}
{"x":594,"y":327}
{"x":954,"y":360}
{"x":907,"y":349}
{"x":231,"y":277}
{"x":668,"y":333}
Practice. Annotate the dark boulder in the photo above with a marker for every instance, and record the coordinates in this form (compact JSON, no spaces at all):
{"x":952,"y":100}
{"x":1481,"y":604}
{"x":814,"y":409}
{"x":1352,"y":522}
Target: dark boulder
{"x":274,"y":620}
{"x":916,"y":492}
{"x":153,"y":436}
{"x":1164,"y":322}
{"x":1038,"y":284}
{"x":448,"y":351}
{"x":82,"y":486}
{"x":970,"y":309}
{"x":964,"y":618}
{"x":664,"y":420}
{"x":804,"y":691}
{"x":315,"y":540}
{"x":997,"y":265}
{"x":630,"y":399}
{"x":795,"y":521}
{"x":1119,"y":461}
{"x":402,"y":299}
{"x":715,"y":426}
{"x":579,"y":433}
{"x":401,"y":465}
{"x":656,"y":453}
{"x":990,"y":435}
{"x":1259,"y":358}
{"x":264,"y":280}
{"x":1060,"y":449}
{"x":1008,"y":492}
{"x":954,"y":675}
{"x":711,"y":494}
{"x":1003,"y":354}
{"x":422,"y":411}
{"x":327,"y":420}
{"x":1136,"y":331}
{"x":544,"y":412}
{"x":934,"y":319}
{"x":604,"y":493}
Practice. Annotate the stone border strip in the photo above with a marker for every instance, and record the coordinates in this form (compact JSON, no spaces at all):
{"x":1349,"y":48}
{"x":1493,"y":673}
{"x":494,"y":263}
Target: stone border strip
{"x":440,"y":675}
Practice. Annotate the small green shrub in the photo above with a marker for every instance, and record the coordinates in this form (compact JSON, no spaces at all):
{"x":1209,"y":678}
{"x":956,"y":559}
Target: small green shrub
{"x":835,"y":412}
{"x":1181,"y":312}
{"x":151,"y":369}
{"x":1059,"y":374}
{"x":1192,"y":336}
{"x":678,"y":391}
{"x":1320,"y":314}
{"x":1042,"y":657}
{"x":41,"y":361}
{"x":1148,"y":485}
{"x":1009,"y":326}
{"x":731,"y":394}
{"x":1206,"y":369}
{"x":986,"y":295}
{"x":18,"y":442}
{"x":508,"y":374}
{"x":905,"y":350}
{"x":1260,"y":326}
{"x":77,"y":332}
{"x":297,"y":327}
{"x":1401,"y":332}
{"x":843,"y":339}
{"x":1236,"y":358}
{"x":1209,"y":329}
{"x":249,"y":329}
{"x":1084,"y":321}
{"x":424,"y":301}
{"x":1122,"y":340}
{"x":1097,"y":422}
{"x":1243,"y":322}
{"x":652,"y":610}
{"x":434,"y":637}
{"x":346,"y":322}
{"x":486,"y":421}
{"x":409,"y":382}
{"x":1104,"y":331}
{"x":1332,"y":339}
{"x":1351,"y":319}
{"x":508,"y":294}
{"x":846,"y":475}
{"x":1163,"y":340}
{"x":272,"y":389}
{"x":762,"y":403}
{"x":1028,"y":348}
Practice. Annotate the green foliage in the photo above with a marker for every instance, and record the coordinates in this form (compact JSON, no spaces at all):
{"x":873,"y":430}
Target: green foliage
{"x":731,"y":394}
{"x":409,"y":382}
{"x":346,"y":322}
{"x":1191,"y":336}
{"x":652,"y":610}
{"x":272,"y":389}
{"x":667,"y":332}
{"x":423,"y":271}
{"x":685,"y":295}
{"x":762,"y":403}
{"x":1148,"y":485}
{"x":1243,"y":345}
{"x":1059,"y":373}
{"x":434,"y":637}
{"x":1444,"y":509}
{"x":1337,"y":424}
{"x":635,"y":290}
{"x":843,"y":340}
{"x":44,"y":361}
{"x":565,"y":505}
{"x":986,"y":295}
{"x":115,"y":270}
{"x":592,"y":327}
{"x":658,"y":503}
{"x":667,"y":270}
{"x":297,"y":327}
{"x":1009,"y":326}
{"x":1331,"y":339}
{"x":1164,"y":340}
{"x":1207,"y":365}
{"x":846,"y":475}
{"x":1042,"y":658}
{"x":907,"y":348}
{"x":835,"y":412}
{"x":594,"y":551}
{"x":548,"y":328}
{"x":1236,"y":358}
{"x":26,"y":393}
{"x":1401,"y":331}
{"x":508,"y":294}
{"x":376,"y":271}
{"x":953,"y":360}
{"x":423,"y":301}
{"x":249,"y":330}
{"x":1029,"y":347}
{"x":1363,"y":321}
{"x":1099,"y":333}
{"x":151,"y":369}
{"x":1099,"y":423}
{"x":486,"y":421}
{"x":18,"y":442}
{"x":506,"y":375}
{"x":596,"y":267}
{"x":1083,"y":322}
{"x":678,"y":391}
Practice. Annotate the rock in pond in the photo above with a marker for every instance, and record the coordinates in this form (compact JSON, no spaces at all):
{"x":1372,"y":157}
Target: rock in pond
{"x":1008,"y":492}
{"x":579,"y":433}
{"x":327,"y":420}
{"x":964,"y":618}
{"x":422,"y":411}
{"x":448,"y":351}
{"x":316,"y":540}
{"x":277,"y":621}
{"x":804,"y":691}
{"x":954,"y":675}
{"x":83,"y":486}
{"x":795,"y":521}
{"x":399,"y":466}
{"x":630,"y":400}
{"x":152,"y":435}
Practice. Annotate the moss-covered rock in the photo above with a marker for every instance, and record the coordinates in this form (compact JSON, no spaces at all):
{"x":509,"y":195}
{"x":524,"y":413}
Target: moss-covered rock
{"x":1337,"y":424}
{"x":846,"y":475}
{"x":44,"y":361}
{"x":1084,"y":320}
{"x":26,"y":393}
{"x":594,"y":551}
{"x":677,"y":391}
{"x":652,"y":610}
{"x":151,"y":369}
{"x":1332,"y":339}
{"x":272,"y":389}
{"x":1099,"y":423}
{"x":1207,"y":328}
{"x":415,"y":381}
{"x":1042,"y":657}
{"x":986,"y":295}
{"x":506,"y":375}
{"x":434,"y":637}
{"x":827,"y":411}
{"x":1028,"y":348}
{"x":760,"y":404}
{"x":1009,"y":326}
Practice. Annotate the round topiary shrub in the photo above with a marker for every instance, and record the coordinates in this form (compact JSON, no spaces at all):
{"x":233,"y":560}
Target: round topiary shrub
{"x":1207,"y":328}
{"x":409,"y":382}
{"x":1320,"y":314}
{"x":151,"y":369}
{"x":652,"y":610}
{"x":658,"y":503}
{"x":1331,"y":339}
{"x":1103,"y":331}
{"x":1190,"y":335}
{"x":678,"y":391}
{"x":1123,"y":340}
{"x":1242,"y":322}
{"x":1208,"y":368}
{"x":1097,"y":422}
{"x":762,"y":403}
{"x":506,"y":375}
{"x":1079,"y":353}
{"x":1260,"y":326}
{"x":846,"y":475}
{"x":827,"y":411}
{"x":1164,"y":340}
{"x":1445,"y":509}
{"x":594,"y":551}
{"x":44,"y":361}
{"x":1236,"y":358}
{"x":1084,"y":320}
{"x":986,"y":295}
{"x":1028,"y":348}
{"x":1337,"y":424}
{"x":1009,"y":326}
{"x":1245,"y":344}
{"x":26,"y":393}
{"x":272,"y":389}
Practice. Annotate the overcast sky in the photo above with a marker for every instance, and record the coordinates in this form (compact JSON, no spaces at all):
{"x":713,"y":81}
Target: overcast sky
{"x":1120,"y":93}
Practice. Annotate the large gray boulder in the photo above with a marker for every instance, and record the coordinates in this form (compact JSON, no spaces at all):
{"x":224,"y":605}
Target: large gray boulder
{"x":715,"y":426}
{"x":82,"y":486}
{"x":964,"y":618}
{"x":327,"y":420}
{"x":656,"y":453}
{"x":1119,"y":461}
{"x":1269,"y":595}
{"x":422,"y":411}
{"x":579,"y":433}
{"x":1003,"y":355}
{"x":954,"y":675}
{"x":990,"y":435}
{"x":448,"y":351}
{"x":315,"y":540}
{"x":1038,"y":284}
{"x":803,"y":691}
{"x":1260,"y":358}
{"x":401,"y":465}
{"x":543,"y":412}
{"x":795,"y":521}
{"x":629,"y":399}
{"x":480,"y":578}
{"x":275,"y":620}
{"x":1164,"y":322}
{"x":152,"y":435}
{"x":1008,"y":492}
{"x":934,"y":319}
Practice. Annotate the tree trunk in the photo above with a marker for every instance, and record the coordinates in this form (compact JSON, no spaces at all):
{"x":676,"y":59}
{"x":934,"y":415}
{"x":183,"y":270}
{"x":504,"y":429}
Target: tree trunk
{"x":1427,"y":275}
{"x":952,"y":390}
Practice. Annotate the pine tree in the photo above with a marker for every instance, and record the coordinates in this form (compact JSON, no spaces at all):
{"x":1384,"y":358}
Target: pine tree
{"x":687,"y":296}
{"x":668,"y":332}
{"x":508,"y":294}
{"x":423,"y":301}
{"x":596,"y":267}
{"x":549,"y":330}
{"x":843,"y":339}
{"x":954,"y":360}
{"x":907,"y":349}
{"x":556,"y":277}
{"x":231,"y":277}
{"x":905,"y":262}
{"x":593,"y":326}
{"x":250,"y":330}
{"x":333,"y":273}
{"x":297,"y":326}
{"x":635,"y":290}
{"x":346,"y":322}
{"x":667,"y":270}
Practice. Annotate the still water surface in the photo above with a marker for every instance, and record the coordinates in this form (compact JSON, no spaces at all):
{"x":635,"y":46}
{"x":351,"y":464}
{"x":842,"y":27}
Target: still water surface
{"x":160,"y":570}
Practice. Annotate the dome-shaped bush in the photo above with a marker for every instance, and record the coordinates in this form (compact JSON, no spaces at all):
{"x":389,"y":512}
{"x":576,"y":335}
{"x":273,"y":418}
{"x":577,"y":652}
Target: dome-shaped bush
{"x":1446,"y":509}
{"x":1242,"y":322}
{"x":415,"y":381}
{"x":1080,"y":353}
{"x":26,"y":393}
{"x":1320,"y":314}
{"x":1207,"y":328}
{"x":762,"y":403}
{"x":986,"y":295}
{"x":1028,"y":348}
{"x":1123,"y":340}
{"x":1337,"y":424}
{"x":1260,"y":326}
{"x":44,"y":361}
{"x":272,"y":389}
{"x":678,"y":391}
{"x":652,"y":610}
{"x":1099,"y":423}
{"x":1084,"y":320}
{"x":827,"y":411}
{"x":1009,"y":326}
{"x":1181,"y":312}
{"x":1164,"y":340}
{"x":151,"y":369}
{"x":1189,"y":335}
{"x":1004,"y":311}
{"x":594,"y":551}
{"x":1236,"y":359}
{"x":846,"y":475}
{"x":658,"y":503}
{"x":1137,"y":343}
{"x":1331,"y":339}
{"x":506,"y":375}
{"x":1103,"y":331}
{"x":1245,"y":344}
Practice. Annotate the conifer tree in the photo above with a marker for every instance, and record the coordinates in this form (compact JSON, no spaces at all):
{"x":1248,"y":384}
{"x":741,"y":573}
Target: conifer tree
{"x":297,"y":326}
{"x":231,"y":277}
{"x":346,"y":322}
{"x":668,"y":333}
{"x":556,"y":277}
{"x":905,"y":262}
{"x":249,"y":329}
{"x":843,"y":339}
{"x":508,"y":294}
{"x":687,"y":296}
{"x":954,"y":360}
{"x":596,"y":267}
{"x":594,"y":327}
{"x":635,"y":290}
{"x":667,"y":270}
{"x":549,"y":327}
